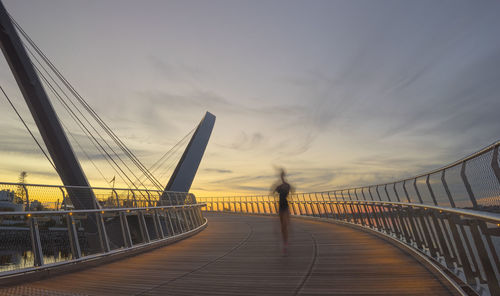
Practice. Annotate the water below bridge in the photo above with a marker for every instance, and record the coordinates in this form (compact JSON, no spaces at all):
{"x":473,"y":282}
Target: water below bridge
{"x":242,"y":255}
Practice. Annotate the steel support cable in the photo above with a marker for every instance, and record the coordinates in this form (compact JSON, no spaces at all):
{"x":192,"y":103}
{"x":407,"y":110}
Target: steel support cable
{"x":67,"y":107}
{"x":167,"y":169}
{"x":89,"y":109}
{"x":167,"y":154}
{"x":29,"y":130}
{"x":168,"y":165}
{"x":80,"y":124}
{"x":154,"y":167}
{"x":86,"y":155}
{"x":85,"y":130}
{"x":160,"y":162}
{"x":173,"y":151}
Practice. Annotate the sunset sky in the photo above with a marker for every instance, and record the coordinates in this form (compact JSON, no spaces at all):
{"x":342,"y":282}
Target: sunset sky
{"x":340,"y":93}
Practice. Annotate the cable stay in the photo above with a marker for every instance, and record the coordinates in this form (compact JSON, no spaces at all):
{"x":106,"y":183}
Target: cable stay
{"x":89,"y":109}
{"x":79,"y":112}
{"x":29,"y":130}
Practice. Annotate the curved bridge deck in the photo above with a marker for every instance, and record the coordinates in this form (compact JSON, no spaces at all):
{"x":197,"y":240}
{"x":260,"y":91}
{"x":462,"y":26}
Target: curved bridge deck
{"x":241,"y":255}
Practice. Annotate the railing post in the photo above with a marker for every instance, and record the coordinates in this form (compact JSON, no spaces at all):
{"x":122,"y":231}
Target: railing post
{"x":406,"y":191}
{"x":383,"y":218}
{"x":201,"y":215}
{"x":116,"y":196}
{"x":340,"y":214}
{"x":448,"y":193}
{"x":186,"y":219}
{"x":395,"y":225}
{"x":430,"y":190}
{"x":397,"y":195}
{"x":149,"y":199}
{"x":127,"y":238}
{"x":453,"y":220}
{"x":416,"y":236}
{"x":353,"y":212}
{"x":133,"y":197}
{"x":370,"y":192}
{"x":439,"y":231}
{"x":398,"y":210}
{"x":378,"y":193}
{"x":367,"y":214}
{"x":172,"y":228}
{"x":197,"y":211}
{"x":330,"y":204}
{"x":467,"y":185}
{"x":324,"y":205}
{"x":416,"y":190}
{"x":485,"y":260}
{"x":103,"y":236}
{"x":143,"y":227}
{"x":360,"y":213}
{"x":299,"y":206}
{"x":36,"y":244}
{"x":378,"y":225}
{"x":429,"y":241}
{"x":63,"y":198}
{"x":181,"y":223}
{"x":387,"y":193}
{"x":158,"y":227}
{"x":27,"y":208}
{"x":73,"y":237}
{"x":494,"y":163}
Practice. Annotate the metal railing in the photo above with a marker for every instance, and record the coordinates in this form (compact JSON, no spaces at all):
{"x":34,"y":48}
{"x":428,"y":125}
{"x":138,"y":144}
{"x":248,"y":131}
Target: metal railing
{"x":469,"y":183}
{"x":37,"y":240}
{"x":37,"y":197}
{"x":449,"y":214}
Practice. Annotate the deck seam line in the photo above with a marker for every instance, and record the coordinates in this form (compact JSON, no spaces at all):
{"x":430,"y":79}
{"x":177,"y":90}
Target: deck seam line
{"x":204,"y":265}
{"x":311,"y":265}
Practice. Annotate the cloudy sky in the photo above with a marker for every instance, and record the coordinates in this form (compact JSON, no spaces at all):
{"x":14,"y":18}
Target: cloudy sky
{"x":339,"y":93}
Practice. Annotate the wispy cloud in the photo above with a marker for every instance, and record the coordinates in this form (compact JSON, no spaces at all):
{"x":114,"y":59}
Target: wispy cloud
{"x":220,"y":171}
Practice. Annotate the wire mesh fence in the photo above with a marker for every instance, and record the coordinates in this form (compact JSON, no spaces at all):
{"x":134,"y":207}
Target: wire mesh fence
{"x":28,"y":197}
{"x":46,"y":238}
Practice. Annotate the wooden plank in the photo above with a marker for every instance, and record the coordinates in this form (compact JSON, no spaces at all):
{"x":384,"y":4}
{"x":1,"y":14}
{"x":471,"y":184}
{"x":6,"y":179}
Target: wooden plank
{"x":242,"y":255}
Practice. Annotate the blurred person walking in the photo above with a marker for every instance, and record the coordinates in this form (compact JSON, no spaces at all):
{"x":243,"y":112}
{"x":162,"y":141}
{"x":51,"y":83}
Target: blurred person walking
{"x":283,"y":190}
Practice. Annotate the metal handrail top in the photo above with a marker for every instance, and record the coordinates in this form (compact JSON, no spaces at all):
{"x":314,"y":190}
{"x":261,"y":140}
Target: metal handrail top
{"x":39,"y":213}
{"x":488,"y":216}
{"x":87,"y":187}
{"x":457,"y":162}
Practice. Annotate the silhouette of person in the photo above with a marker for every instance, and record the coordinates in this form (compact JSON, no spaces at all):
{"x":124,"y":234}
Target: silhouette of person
{"x":283,"y":190}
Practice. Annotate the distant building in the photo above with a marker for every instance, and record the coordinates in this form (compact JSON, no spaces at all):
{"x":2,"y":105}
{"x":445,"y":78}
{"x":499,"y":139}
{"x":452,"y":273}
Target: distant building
{"x":7,"y":204}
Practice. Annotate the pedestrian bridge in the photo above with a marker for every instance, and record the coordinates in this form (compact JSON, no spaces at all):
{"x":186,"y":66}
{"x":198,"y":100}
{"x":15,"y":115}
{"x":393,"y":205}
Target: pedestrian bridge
{"x":241,"y":255}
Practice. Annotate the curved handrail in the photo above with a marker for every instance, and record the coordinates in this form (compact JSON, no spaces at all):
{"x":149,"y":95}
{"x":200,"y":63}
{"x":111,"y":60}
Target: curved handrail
{"x":479,"y":189}
{"x":86,"y":232}
{"x":56,"y":197}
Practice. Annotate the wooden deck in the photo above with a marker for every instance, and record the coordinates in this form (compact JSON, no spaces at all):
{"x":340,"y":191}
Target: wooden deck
{"x":242,"y":255}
